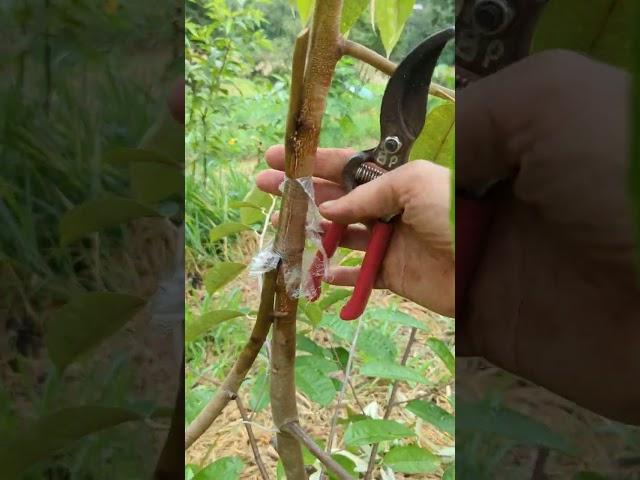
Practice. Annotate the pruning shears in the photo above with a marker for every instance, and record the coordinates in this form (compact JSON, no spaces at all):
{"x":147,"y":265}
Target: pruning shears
{"x":402,"y":117}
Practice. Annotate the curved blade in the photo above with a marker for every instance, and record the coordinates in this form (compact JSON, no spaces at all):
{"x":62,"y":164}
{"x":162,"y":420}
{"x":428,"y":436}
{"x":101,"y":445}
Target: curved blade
{"x":404,"y":104}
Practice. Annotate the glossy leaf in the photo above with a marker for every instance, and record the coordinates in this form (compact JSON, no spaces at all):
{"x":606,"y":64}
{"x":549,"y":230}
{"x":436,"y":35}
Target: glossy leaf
{"x":98,"y":214}
{"x":396,"y":317}
{"x":371,"y":431}
{"x":221,"y":274}
{"x":505,"y":422}
{"x":434,"y":415}
{"x":601,"y":28}
{"x":198,"y":326}
{"x":260,"y":202}
{"x":436,"y":142}
{"x":411,"y":459}
{"x":351,"y":11}
{"x":305,"y":9}
{"x":38,"y":439}
{"x":85,"y":321}
{"x":224,"y":230}
{"x":392,"y":371}
{"x":443,"y":353}
{"x":390,"y":17}
{"x":228,"y":468}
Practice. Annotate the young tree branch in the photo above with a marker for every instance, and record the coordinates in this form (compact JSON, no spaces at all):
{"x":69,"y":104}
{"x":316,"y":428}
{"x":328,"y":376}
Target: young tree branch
{"x":229,"y":388}
{"x":297,"y":431}
{"x":392,"y":397}
{"x":306,"y":108}
{"x":252,"y":439}
{"x":377,"y":61}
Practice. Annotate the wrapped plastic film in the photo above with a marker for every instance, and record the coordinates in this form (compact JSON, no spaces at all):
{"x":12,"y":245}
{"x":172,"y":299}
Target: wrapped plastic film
{"x":298,"y":279}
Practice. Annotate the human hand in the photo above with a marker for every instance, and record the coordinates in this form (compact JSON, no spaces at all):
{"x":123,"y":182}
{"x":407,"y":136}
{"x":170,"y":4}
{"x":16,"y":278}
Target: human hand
{"x":555,"y":298}
{"x":419,"y":263}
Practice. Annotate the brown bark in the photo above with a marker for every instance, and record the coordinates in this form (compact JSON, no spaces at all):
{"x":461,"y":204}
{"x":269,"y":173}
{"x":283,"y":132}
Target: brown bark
{"x":306,"y":108}
{"x":229,"y":388}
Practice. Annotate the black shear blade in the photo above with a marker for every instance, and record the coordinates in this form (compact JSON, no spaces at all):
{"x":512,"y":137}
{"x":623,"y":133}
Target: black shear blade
{"x":404,"y":104}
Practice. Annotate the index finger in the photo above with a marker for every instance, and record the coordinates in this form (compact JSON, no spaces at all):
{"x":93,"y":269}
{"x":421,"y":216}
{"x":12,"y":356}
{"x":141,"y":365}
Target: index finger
{"x":328,"y":162}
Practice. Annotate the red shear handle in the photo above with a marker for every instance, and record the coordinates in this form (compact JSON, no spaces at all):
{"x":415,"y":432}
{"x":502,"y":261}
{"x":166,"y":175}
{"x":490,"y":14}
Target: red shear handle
{"x":330,"y":243}
{"x":376,"y":251}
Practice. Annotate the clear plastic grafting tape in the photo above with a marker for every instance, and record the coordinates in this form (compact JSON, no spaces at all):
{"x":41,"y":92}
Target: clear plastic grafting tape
{"x":298,"y":279}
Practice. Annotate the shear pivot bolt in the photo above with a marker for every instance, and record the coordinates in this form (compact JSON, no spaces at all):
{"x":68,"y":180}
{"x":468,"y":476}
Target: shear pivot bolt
{"x":392,"y":145}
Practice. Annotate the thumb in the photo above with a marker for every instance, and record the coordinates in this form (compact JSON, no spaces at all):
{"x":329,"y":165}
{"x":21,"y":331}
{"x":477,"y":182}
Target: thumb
{"x":378,"y":198}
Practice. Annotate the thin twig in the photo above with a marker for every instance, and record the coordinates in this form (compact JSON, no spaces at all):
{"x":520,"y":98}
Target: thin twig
{"x":252,"y":439}
{"x":392,"y":397}
{"x":296,"y":430}
{"x":347,"y":375}
{"x":384,"y":65}
{"x":240,"y":369}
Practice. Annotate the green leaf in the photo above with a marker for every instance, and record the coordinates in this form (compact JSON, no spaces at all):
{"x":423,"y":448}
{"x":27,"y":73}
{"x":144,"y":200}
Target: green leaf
{"x":411,"y":459}
{"x":375,"y":345}
{"x":226,"y":229}
{"x":390,"y":17}
{"x":305,"y":344}
{"x":259,"y":398}
{"x":351,"y":11}
{"x":333,"y":297}
{"x":221,"y":274}
{"x":434,"y":415}
{"x":195,"y":400}
{"x":198,"y":326}
{"x":392,"y":371}
{"x":395,"y":316}
{"x":98,"y":214}
{"x":346,"y":463}
{"x":371,"y":431}
{"x":601,"y":28}
{"x":85,"y":321}
{"x":315,"y":385}
{"x":305,"y":8}
{"x":313,"y":312}
{"x":443,"y":352}
{"x":260,"y":202}
{"x":228,"y":468}
{"x":153,"y":182}
{"x":341,"y":329}
{"x":504,"y":422}
{"x":436,"y":142}
{"x":320,"y":363}
{"x":36,"y":440}
{"x":450,"y":472}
